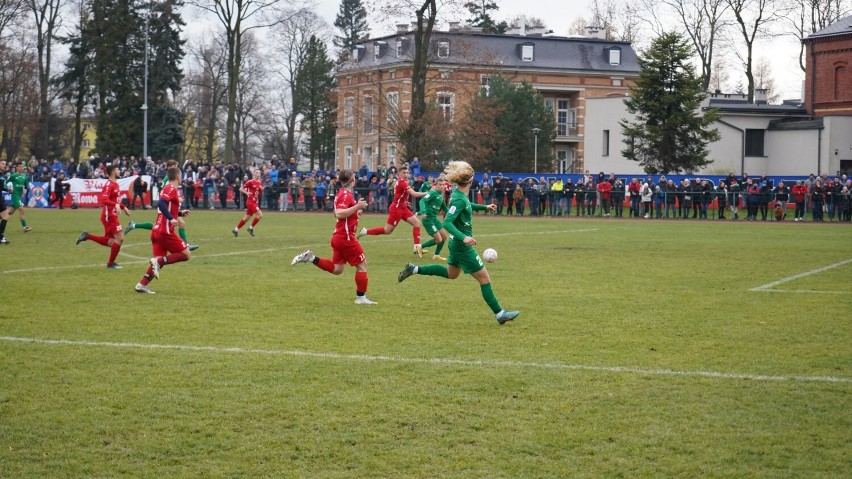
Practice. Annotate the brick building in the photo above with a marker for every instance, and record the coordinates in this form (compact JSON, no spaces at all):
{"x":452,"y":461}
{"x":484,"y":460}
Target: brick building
{"x":374,"y":85}
{"x":828,"y":81}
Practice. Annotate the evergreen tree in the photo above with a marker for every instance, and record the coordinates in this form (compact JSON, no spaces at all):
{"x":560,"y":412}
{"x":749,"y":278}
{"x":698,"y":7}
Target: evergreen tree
{"x":669,"y":134}
{"x":481,"y":18}
{"x":115,"y":36}
{"x":497,"y":132}
{"x":352,"y":21}
{"x":314,"y":87}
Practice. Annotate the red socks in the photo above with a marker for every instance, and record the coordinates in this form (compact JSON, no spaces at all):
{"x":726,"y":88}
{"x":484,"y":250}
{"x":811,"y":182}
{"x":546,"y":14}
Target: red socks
{"x":113,"y":253}
{"x":416,"y":233}
{"x":324,"y":264}
{"x":254,"y":222}
{"x":240,"y":224}
{"x":360,"y":282}
{"x":101,"y":240}
{"x":378,"y":230}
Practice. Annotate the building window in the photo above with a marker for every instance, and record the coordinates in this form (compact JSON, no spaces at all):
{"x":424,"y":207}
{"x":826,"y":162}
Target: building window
{"x":368,"y":114}
{"x":562,"y":117}
{"x":605,"y":151}
{"x":754,"y":142}
{"x":391,"y":153}
{"x":548,"y":105}
{"x":527,"y":53}
{"x":377,"y":51}
{"x":348,"y":112}
{"x":841,"y":83}
{"x":392,"y":107}
{"x":367,"y":157}
{"x":485,"y":84}
{"x":399,"y":45}
{"x":85,"y":126}
{"x":85,"y":144}
{"x":446,"y":102}
{"x":615,"y":56}
{"x":443,"y":49}
{"x":347,"y":157}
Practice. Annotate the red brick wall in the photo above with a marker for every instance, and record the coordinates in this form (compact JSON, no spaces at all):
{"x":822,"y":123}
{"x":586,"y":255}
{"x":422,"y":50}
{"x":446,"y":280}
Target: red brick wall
{"x":828,"y":79}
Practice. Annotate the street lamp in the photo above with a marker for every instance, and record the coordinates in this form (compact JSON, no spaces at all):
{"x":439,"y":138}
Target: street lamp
{"x":145,"y":100}
{"x":535,"y":165}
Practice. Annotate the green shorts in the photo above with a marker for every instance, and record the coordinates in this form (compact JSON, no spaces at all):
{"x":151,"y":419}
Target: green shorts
{"x":432,"y":226}
{"x":464,"y":257}
{"x":16,"y":202}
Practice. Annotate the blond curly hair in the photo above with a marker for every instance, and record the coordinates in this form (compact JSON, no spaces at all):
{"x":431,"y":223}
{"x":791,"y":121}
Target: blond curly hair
{"x":459,"y":172}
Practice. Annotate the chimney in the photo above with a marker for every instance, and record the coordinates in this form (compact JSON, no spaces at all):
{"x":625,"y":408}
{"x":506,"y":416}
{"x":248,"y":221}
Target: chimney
{"x":401,"y":28}
{"x":760,"y":96}
{"x":594,"y":32}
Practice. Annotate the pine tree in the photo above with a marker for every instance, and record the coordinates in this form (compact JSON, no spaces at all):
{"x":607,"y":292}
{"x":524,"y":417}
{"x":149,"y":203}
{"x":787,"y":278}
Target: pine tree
{"x":482,"y":19}
{"x":352,"y":21}
{"x":314,"y":86}
{"x":669,"y":134}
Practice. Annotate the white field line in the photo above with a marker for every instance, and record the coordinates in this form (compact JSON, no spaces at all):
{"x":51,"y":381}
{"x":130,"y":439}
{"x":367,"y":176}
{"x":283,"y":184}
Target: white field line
{"x":769,"y":286}
{"x":144,"y":260}
{"x":440,"y":361}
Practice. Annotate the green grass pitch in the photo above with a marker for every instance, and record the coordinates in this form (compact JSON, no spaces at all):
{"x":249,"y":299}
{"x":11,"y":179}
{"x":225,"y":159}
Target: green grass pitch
{"x":644,"y":349}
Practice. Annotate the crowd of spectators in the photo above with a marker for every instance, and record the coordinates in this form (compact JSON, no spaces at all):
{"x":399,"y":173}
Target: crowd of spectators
{"x":216,"y":186}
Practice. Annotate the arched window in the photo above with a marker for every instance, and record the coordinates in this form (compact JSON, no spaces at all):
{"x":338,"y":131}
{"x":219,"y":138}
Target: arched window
{"x":842,"y":90}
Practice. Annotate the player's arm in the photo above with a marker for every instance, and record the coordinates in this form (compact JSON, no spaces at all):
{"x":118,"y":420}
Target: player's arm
{"x":163,"y":207}
{"x":478,"y":207}
{"x":416,"y":194}
{"x":347,"y":212}
{"x":449,"y":222}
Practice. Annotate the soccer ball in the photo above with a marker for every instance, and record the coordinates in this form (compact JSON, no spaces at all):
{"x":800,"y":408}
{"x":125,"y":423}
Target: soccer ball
{"x":489,"y":255}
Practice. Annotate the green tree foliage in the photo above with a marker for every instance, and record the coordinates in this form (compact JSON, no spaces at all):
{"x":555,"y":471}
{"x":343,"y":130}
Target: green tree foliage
{"x":497,"y":133}
{"x":314,"y":101}
{"x":481,"y":17}
{"x":115,"y":40}
{"x":352,"y":21}
{"x":669,"y":134}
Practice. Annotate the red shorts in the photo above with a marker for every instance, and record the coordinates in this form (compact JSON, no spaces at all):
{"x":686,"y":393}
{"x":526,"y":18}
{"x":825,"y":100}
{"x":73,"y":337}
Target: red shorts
{"x":163,"y":244}
{"x":112,"y":227}
{"x":251,"y":208}
{"x":347,"y":251}
{"x":395,"y":215}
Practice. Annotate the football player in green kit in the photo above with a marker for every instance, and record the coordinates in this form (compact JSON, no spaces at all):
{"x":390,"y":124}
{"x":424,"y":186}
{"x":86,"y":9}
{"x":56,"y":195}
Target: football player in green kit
{"x":463,"y":257}
{"x":17,"y":183}
{"x":430,"y":205}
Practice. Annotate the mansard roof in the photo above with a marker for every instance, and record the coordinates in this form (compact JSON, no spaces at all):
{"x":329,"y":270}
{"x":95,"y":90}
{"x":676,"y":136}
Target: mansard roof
{"x":572,"y":54}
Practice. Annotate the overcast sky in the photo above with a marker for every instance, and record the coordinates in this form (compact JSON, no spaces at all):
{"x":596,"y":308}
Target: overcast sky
{"x":560,"y":14}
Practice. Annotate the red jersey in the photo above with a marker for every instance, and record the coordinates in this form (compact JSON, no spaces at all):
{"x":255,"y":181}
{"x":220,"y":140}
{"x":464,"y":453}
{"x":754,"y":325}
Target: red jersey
{"x":109,"y":201}
{"x":346,"y":228}
{"x":604,"y":188}
{"x":400,"y":194}
{"x":171,"y":195}
{"x":255,"y":188}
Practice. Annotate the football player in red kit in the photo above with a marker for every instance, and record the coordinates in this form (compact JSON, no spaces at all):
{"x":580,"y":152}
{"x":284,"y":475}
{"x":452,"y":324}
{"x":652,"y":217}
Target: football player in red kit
{"x":110,"y":206}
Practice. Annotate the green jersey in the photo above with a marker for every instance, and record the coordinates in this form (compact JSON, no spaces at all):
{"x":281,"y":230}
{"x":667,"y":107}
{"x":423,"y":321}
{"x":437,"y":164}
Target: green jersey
{"x":432,"y":203}
{"x":19,"y":183}
{"x":458,"y":219}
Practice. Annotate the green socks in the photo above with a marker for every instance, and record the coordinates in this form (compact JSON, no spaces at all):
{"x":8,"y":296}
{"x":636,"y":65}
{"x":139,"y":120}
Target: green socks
{"x":433,"y":270}
{"x":489,"y":298}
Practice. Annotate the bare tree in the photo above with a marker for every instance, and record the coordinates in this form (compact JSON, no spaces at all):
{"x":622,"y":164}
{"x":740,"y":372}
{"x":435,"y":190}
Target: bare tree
{"x":763,"y":79}
{"x":252,"y":112}
{"x":9,"y":12}
{"x":18,"y":96}
{"x":753,"y":21}
{"x":703,"y":21}
{"x":719,"y":76}
{"x":291,"y":39}
{"x":238,"y":17}
{"x":47,"y":20}
{"x":810,"y":16}
{"x":203,"y":97}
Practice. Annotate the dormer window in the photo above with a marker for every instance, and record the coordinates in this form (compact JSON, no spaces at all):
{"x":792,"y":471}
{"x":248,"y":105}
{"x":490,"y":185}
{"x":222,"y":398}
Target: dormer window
{"x":443,"y":49}
{"x":527,"y":53}
{"x":377,"y":51}
{"x":357,"y":51}
{"x":614,"y":55}
{"x":399,"y":47}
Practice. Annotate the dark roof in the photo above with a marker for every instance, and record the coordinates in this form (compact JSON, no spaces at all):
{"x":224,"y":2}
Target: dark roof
{"x":504,"y":51}
{"x":840,"y":27}
{"x":762,"y":109}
